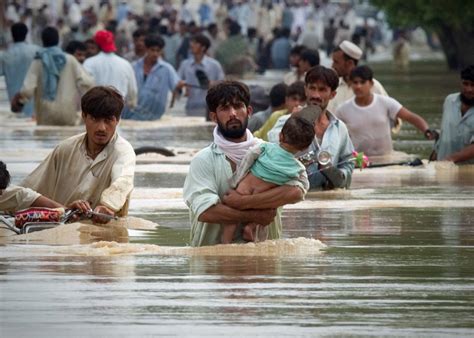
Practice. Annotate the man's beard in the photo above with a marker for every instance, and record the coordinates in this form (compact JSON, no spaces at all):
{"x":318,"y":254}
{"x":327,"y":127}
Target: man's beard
{"x":467,"y":101}
{"x":233,"y":133}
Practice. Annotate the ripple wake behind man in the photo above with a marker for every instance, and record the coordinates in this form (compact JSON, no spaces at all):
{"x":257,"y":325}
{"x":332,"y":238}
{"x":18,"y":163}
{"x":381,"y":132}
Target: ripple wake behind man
{"x":94,"y":169}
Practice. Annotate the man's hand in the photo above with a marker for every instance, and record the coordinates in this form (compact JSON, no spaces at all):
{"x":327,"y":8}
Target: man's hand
{"x":264,"y":216}
{"x":103,"y":210}
{"x":431,"y":134}
{"x":81,"y":205}
{"x":16,"y":105}
{"x":233,"y":199}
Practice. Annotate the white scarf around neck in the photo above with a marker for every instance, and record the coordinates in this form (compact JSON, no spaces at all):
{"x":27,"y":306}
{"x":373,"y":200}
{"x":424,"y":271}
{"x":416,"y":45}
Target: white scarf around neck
{"x":235,"y":151}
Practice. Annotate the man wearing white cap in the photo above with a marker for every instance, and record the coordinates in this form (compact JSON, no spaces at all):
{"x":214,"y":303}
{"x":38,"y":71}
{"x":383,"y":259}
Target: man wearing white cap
{"x":345,"y":58}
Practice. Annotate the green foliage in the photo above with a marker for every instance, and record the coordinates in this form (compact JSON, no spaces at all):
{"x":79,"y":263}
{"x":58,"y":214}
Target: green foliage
{"x":431,"y":14}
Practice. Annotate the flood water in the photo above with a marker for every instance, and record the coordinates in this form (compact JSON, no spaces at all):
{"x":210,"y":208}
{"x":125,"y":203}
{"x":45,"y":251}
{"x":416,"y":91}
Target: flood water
{"x":396,"y":256}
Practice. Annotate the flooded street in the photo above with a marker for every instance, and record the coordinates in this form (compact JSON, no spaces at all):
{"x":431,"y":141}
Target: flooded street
{"x":394,"y":257}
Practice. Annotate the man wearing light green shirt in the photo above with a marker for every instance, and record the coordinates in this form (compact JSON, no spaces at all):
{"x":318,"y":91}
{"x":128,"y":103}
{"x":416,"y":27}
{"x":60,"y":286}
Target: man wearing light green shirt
{"x":207,"y":191}
{"x":456,"y":141}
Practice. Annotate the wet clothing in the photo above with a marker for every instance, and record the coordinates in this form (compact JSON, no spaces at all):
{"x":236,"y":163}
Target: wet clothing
{"x":196,"y":104}
{"x":14,"y":65}
{"x":369,"y":126}
{"x":153,"y":90}
{"x":207,"y":182}
{"x":64,"y":110}
{"x":69,"y":174}
{"x":344,"y":92}
{"x":457,"y":132}
{"x":16,"y":198}
{"x":337,"y":142}
{"x":109,"y":69}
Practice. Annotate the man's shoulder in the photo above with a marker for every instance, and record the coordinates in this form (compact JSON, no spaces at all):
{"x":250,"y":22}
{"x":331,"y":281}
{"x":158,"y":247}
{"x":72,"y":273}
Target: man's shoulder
{"x":168,"y":66}
{"x":72,"y":140}
{"x":213,"y":62}
{"x":452,"y":97}
{"x":122,"y":144}
{"x":205,"y":154}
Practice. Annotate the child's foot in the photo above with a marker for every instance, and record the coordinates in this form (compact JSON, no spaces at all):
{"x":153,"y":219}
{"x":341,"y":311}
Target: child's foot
{"x":248,"y":234}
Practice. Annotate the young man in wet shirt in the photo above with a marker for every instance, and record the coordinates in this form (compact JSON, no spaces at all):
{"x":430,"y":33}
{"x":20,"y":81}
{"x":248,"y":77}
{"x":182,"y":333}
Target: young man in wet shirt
{"x":331,"y":134}
{"x":92,"y":170}
{"x":456,"y":140}
{"x":206,"y":191}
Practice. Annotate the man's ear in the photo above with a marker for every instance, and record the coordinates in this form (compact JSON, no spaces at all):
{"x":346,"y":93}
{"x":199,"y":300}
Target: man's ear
{"x":83,"y":116}
{"x":213,"y":116}
{"x":250,"y":110}
{"x":333,"y":93}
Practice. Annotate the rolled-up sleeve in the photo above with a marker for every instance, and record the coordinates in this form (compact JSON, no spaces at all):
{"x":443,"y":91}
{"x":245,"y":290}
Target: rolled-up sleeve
{"x":123,"y":171}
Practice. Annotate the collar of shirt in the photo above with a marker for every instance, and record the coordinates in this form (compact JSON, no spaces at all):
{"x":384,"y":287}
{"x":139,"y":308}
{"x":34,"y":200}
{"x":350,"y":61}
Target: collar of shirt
{"x":204,"y":60}
{"x":103,"y":154}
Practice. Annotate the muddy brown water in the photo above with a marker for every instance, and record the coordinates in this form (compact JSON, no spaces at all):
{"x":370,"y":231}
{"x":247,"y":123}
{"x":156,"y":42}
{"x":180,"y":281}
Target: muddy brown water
{"x":397,"y":257}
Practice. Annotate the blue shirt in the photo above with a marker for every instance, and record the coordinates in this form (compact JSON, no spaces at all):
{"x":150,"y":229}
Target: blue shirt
{"x":337,"y":142}
{"x":196,"y":104}
{"x":14,"y":64}
{"x":280,"y":53}
{"x":152,"y":91}
{"x":457,"y":132}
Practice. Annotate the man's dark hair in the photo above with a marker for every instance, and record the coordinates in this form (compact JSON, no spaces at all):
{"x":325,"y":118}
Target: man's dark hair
{"x":138,"y":33}
{"x":362,"y":72}
{"x":74,"y":45}
{"x":322,"y":74}
{"x":211,"y":27}
{"x":154,"y":41}
{"x":50,"y":37}
{"x":4,"y":176}
{"x":19,"y":31}
{"x":296,"y":88}
{"x":285,"y":32}
{"x":297,"y":50}
{"x":468,"y":73}
{"x":102,"y":102}
{"x":278,"y":94}
{"x":298,"y":132}
{"x":234,"y":28}
{"x":251,"y":32}
{"x":202,"y":40}
{"x":346,"y":57}
{"x":311,"y":56}
{"x":227,"y":93}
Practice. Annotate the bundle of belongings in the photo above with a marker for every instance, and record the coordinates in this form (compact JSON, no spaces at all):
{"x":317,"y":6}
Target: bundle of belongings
{"x":38,"y":215}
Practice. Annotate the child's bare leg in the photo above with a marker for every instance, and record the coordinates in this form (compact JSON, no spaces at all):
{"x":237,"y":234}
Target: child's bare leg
{"x":248,"y":233}
{"x":228,"y":233}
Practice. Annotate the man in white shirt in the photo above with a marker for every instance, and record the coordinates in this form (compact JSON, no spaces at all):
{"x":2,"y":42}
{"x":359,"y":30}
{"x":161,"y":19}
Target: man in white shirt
{"x":56,"y":80}
{"x":109,"y":69}
{"x":368,"y":116}
{"x":95,"y":168}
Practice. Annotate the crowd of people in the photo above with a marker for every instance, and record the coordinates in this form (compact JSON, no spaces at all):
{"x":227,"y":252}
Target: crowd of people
{"x":258,"y":160}
{"x":163,"y":53}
